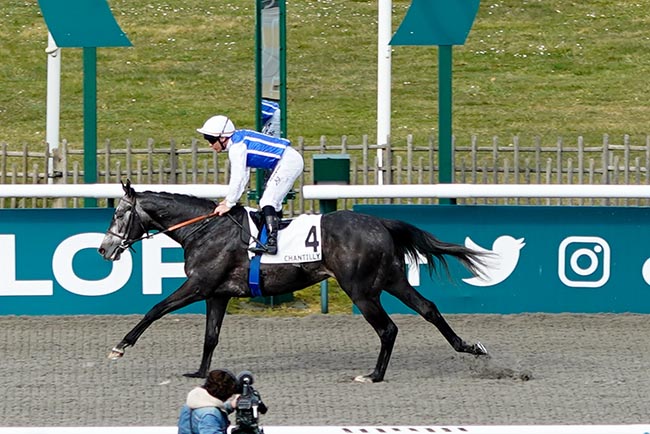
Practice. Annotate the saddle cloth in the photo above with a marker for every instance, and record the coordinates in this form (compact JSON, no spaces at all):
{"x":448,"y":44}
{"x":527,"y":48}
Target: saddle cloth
{"x":298,"y":242}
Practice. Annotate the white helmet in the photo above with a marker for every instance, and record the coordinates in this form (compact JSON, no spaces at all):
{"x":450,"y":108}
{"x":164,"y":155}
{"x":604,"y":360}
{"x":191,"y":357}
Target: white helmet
{"x":218,"y":126}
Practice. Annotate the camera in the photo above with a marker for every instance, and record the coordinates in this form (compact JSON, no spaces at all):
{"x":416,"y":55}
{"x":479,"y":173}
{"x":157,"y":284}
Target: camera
{"x":249,"y":406}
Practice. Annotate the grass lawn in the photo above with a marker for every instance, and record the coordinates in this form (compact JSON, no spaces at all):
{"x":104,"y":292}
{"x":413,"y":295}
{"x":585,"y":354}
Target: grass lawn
{"x":530,"y":67}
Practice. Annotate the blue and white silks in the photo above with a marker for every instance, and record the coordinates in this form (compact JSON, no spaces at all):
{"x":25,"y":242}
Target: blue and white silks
{"x":249,"y":149}
{"x":262,"y":151}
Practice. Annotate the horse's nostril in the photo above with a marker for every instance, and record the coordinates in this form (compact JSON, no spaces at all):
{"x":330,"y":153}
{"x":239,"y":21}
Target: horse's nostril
{"x":101,"y":251}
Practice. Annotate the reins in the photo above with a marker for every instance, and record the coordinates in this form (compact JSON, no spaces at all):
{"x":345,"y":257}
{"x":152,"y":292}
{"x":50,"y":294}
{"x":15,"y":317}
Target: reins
{"x":129,"y":243}
{"x":187,"y":223}
{"x":204,"y":217}
{"x":174,"y":227}
{"x":244,"y":230}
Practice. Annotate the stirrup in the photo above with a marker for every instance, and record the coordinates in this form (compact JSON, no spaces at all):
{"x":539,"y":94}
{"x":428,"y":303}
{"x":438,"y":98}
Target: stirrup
{"x":258,"y":249}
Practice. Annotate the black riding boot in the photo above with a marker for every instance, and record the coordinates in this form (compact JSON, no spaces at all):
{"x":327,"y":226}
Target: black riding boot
{"x":272,"y":226}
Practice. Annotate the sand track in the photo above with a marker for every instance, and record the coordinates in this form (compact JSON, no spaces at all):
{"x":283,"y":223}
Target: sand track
{"x":545,"y":369}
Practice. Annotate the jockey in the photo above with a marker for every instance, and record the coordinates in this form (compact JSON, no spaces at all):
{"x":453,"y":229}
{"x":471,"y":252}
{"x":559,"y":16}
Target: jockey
{"x":250,"y":149}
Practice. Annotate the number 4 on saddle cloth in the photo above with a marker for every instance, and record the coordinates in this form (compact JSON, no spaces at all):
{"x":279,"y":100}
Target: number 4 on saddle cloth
{"x":299,"y":240}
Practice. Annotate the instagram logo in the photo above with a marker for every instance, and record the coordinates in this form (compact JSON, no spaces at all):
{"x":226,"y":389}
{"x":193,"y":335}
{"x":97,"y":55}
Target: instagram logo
{"x":583,"y":262}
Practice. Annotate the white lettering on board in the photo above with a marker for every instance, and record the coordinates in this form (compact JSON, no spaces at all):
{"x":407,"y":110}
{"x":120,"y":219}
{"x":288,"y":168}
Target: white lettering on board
{"x":66,"y":277}
{"x":154,"y":270}
{"x":413,"y":268}
{"x":8,"y":284}
{"x":153,"y":267}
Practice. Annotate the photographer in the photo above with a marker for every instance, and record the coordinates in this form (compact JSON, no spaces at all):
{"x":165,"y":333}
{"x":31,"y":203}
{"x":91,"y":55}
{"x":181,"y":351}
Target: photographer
{"x":207,"y":407}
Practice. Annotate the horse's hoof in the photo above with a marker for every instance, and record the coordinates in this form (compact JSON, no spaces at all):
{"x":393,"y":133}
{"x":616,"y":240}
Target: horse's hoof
{"x":115,"y":354}
{"x":362,"y":379}
{"x":481,"y":350}
{"x":196,"y":374}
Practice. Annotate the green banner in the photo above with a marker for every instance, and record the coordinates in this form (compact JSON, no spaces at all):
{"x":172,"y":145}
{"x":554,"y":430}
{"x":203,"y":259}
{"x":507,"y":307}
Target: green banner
{"x":546,"y":259}
{"x":50,"y":266}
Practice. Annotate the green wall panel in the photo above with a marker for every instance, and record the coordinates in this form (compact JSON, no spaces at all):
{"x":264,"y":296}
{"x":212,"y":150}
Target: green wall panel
{"x":573,"y":259}
{"x":49,"y":265}
{"x":562,"y":259}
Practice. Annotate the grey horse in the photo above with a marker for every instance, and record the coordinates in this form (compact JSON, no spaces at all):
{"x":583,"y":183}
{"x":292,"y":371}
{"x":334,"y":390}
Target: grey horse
{"x":365,"y":254}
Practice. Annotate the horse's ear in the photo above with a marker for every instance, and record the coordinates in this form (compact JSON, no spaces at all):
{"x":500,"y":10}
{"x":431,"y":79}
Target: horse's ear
{"x":128,"y":190}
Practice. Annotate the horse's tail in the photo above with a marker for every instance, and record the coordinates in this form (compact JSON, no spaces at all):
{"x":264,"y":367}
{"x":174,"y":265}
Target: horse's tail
{"x":410,"y":240}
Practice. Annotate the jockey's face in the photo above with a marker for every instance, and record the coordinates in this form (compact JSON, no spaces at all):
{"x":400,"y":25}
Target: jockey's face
{"x":218,"y":143}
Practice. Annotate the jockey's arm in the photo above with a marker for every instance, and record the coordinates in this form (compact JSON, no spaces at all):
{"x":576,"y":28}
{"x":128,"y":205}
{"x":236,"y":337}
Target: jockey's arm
{"x":239,"y":173}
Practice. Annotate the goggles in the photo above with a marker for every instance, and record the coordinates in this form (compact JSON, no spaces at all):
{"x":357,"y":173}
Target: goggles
{"x":211,"y":139}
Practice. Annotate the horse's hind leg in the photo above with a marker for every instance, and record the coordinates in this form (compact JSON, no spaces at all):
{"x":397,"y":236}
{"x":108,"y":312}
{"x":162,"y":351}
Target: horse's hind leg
{"x":429,"y":311}
{"x":215,"y":311}
{"x":385,"y":328}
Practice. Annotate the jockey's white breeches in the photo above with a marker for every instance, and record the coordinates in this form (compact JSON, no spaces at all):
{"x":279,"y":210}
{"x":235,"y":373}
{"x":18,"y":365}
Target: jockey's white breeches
{"x":288,"y":169}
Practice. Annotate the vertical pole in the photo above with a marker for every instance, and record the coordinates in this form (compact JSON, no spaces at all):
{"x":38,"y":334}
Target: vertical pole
{"x":53,"y":102}
{"x":326,"y":205}
{"x":258,"y":65}
{"x":283,"y":68}
{"x":383,"y":80}
{"x":444,"y":118}
{"x":259,"y":173}
{"x":90,"y":119}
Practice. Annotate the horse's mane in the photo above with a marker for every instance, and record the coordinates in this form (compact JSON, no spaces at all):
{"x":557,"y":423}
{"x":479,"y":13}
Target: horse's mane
{"x":172,"y":204}
{"x":184,"y":199}
{"x":168,"y":201}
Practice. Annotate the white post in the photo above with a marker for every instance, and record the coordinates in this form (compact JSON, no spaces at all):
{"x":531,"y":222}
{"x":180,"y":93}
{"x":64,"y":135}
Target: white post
{"x":384,"y":32}
{"x":53,"y":101}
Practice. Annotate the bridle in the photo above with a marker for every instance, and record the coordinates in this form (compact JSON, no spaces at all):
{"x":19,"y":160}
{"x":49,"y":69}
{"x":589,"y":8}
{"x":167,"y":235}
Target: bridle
{"x":126,"y":242}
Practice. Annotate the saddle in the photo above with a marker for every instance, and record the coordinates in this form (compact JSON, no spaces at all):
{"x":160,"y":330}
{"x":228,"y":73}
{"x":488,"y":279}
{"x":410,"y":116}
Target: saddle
{"x":301,"y":243}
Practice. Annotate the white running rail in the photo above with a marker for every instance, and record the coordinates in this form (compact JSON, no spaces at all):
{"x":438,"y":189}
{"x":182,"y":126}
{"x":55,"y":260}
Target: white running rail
{"x":474,"y":191}
{"x":107,"y":190}
{"x":345,"y":191}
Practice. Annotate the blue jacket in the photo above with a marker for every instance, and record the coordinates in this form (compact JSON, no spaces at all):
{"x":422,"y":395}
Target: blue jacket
{"x":262,"y":151}
{"x":203,"y":414}
{"x":204,"y":420}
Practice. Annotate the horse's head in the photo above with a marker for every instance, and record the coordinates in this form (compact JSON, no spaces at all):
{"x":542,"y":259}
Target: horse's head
{"x":126,"y":226}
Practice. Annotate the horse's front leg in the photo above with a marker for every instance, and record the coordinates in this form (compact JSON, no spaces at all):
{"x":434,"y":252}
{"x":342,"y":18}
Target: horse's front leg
{"x":215,"y":312}
{"x":186,"y":294}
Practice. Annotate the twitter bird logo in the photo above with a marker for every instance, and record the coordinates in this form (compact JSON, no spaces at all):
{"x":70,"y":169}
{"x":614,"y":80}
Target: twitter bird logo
{"x":501,"y":262}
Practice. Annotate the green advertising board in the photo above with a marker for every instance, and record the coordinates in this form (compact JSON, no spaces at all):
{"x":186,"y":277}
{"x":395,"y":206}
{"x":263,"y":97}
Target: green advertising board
{"x":547,"y":259}
{"x":50,"y":266}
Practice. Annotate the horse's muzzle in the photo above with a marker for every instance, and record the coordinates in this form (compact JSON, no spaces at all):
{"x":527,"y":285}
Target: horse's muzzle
{"x":113,"y":255}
